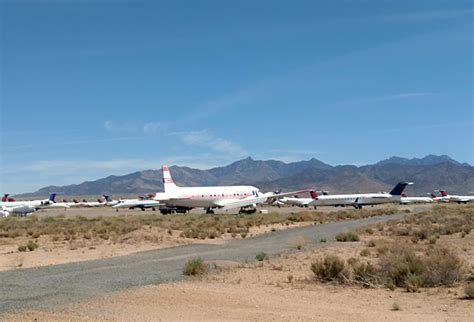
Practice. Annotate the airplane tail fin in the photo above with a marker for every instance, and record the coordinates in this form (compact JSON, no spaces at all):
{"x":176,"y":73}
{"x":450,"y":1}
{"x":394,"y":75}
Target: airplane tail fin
{"x":106,"y":197}
{"x":314,"y":194}
{"x":443,"y":193}
{"x":168,"y":180}
{"x":51,"y":197}
{"x":433,"y":195}
{"x":5,"y":197}
{"x":398,"y":190}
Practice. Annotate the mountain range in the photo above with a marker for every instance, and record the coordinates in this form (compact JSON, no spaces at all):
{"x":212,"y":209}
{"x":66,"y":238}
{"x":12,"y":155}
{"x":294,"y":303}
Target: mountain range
{"x":428,"y":173}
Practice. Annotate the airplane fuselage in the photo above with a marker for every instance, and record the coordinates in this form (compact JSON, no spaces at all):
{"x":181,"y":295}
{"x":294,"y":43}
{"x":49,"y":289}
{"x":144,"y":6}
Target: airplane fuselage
{"x":205,"y":197}
{"x":354,"y":199}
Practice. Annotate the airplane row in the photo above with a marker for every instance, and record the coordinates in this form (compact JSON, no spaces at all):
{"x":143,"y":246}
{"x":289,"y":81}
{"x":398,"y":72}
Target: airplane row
{"x":348,"y":200}
{"x":182,"y":199}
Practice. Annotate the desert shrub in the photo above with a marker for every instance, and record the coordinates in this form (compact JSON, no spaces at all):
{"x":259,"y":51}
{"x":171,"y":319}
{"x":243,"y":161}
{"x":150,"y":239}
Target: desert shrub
{"x":432,"y":239}
{"x":436,"y":267}
{"x":396,"y":307}
{"x":349,"y":236}
{"x":322,"y":240}
{"x":442,"y":267}
{"x":365,"y":252}
{"x":195,"y":267}
{"x":413,"y":282}
{"x":261,"y":256}
{"x":22,"y":248}
{"x":371,"y":243}
{"x":398,"y":264}
{"x":364,"y":273}
{"x":331,"y":268}
{"x":290,"y":278}
{"x":31,"y":245}
{"x":469,"y":290}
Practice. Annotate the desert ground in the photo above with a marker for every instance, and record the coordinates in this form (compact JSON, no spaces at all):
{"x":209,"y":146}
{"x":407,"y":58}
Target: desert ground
{"x":283,"y":286}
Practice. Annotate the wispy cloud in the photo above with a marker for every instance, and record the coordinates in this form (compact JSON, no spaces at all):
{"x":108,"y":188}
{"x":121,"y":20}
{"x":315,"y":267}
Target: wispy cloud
{"x":399,"y":96}
{"x":153,"y":127}
{"x":427,"y":15}
{"x":205,"y":139}
{"x":428,"y":127}
{"x":73,"y":142}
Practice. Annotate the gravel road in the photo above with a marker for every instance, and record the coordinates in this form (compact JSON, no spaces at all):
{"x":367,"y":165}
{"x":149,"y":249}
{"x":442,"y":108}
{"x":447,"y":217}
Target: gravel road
{"x":47,"y":287}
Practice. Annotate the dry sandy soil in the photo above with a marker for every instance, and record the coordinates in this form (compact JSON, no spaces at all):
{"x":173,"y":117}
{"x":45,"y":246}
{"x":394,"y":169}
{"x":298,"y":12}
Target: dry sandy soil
{"x":265,"y":291}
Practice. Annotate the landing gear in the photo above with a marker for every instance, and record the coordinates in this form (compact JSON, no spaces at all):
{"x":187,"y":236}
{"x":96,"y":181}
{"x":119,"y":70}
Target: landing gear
{"x":209,"y":211}
{"x":247,"y":210}
{"x":173,"y":210}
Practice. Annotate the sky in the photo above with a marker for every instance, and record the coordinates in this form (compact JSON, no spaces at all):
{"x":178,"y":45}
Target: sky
{"x":94,"y":88}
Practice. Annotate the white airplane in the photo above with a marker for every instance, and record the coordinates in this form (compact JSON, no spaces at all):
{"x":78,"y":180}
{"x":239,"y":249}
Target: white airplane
{"x":361,"y":199}
{"x":26,"y":207}
{"x":140,"y":203}
{"x":296,"y":201}
{"x":407,"y":200}
{"x":455,"y":198}
{"x":209,"y":198}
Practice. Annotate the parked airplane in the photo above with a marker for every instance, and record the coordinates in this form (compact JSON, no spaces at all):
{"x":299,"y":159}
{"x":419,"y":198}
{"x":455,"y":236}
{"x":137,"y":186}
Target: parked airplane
{"x":209,"y":198}
{"x":137,"y":203}
{"x":407,"y":200}
{"x":26,"y":207}
{"x":300,"y":202}
{"x":362,"y":199}
{"x":456,"y":198}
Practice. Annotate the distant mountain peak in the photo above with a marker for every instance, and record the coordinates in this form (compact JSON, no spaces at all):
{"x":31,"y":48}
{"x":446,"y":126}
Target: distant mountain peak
{"x":428,"y":160}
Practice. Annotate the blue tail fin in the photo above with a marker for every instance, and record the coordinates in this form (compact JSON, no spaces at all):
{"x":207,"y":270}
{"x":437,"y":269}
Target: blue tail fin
{"x":52,"y":197}
{"x":398,"y":190}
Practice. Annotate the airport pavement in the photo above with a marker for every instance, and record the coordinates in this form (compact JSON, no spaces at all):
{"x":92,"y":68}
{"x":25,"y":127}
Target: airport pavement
{"x":48,"y":287}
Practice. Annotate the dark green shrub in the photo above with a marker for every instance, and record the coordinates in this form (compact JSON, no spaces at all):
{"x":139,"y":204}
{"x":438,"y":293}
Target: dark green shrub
{"x":195,"y":267}
{"x":261,"y":256}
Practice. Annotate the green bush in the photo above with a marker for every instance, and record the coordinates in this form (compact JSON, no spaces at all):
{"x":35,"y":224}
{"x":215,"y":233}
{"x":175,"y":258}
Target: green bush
{"x":31,"y":245}
{"x":22,"y":248}
{"x":195,"y":267}
{"x":261,"y":256}
{"x":413,"y":282}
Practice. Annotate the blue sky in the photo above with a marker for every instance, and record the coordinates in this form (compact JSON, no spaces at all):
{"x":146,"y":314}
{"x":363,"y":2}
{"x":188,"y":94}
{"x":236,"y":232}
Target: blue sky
{"x":93,"y":88}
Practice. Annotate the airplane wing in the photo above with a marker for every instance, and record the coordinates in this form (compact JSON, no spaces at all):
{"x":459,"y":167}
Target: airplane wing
{"x":227,"y":204}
